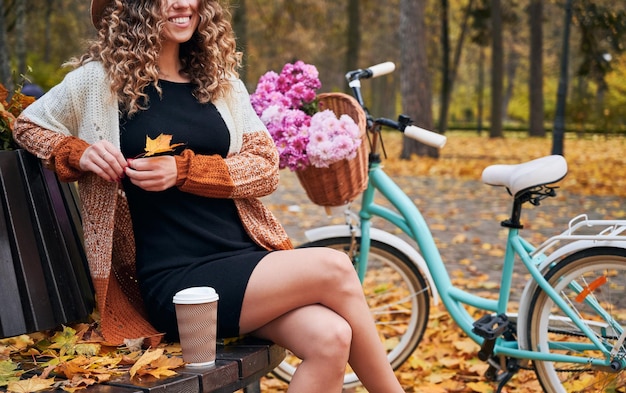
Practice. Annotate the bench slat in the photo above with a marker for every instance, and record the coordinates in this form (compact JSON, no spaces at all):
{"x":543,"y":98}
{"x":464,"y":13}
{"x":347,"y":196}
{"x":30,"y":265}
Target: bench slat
{"x":42,"y":261}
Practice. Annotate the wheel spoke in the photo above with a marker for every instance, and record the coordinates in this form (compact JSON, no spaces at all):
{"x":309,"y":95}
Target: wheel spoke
{"x":592,"y":284}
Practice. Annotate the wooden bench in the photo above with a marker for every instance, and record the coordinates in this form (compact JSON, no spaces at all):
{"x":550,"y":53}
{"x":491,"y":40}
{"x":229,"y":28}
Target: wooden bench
{"x":239,"y":365}
{"x":44,"y":273}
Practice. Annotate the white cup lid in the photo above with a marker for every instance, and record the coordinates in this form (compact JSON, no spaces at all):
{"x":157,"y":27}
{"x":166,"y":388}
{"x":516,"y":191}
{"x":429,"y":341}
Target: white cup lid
{"x":195,"y":295}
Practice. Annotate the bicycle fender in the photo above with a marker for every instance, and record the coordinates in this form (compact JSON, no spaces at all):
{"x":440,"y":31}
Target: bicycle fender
{"x":531,"y":285}
{"x":331,"y":231}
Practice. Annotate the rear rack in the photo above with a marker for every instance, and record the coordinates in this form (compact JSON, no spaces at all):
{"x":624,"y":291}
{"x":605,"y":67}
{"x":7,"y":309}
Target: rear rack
{"x":582,"y":228}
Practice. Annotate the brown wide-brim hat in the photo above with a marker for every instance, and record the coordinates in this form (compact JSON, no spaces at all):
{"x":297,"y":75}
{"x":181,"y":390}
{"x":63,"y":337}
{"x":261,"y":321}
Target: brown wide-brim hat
{"x":97,"y":9}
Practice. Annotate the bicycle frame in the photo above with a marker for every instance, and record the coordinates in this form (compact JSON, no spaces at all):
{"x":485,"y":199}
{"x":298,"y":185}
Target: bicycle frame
{"x":410,"y":220}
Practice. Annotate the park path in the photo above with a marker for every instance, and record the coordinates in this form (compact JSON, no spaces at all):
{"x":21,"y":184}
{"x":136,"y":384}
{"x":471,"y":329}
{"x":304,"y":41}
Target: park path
{"x":463,"y":215}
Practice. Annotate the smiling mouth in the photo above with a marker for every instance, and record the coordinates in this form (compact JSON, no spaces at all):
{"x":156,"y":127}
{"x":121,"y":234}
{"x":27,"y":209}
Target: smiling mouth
{"x":180,"y":19}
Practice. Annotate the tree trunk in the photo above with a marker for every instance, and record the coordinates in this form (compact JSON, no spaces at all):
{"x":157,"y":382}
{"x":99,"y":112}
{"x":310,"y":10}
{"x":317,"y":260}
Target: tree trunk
{"x":5,"y":67}
{"x":511,"y":70}
{"x":455,"y":63}
{"x":354,"y":38}
{"x":47,"y":51}
{"x":561,"y":97}
{"x":415,"y":83}
{"x":495,"y":130}
{"x":445,"y":66}
{"x":20,"y":37}
{"x":535,"y":14}
{"x":385,"y":89}
{"x":240,"y":21}
{"x":480,"y":90}
{"x":450,"y":69}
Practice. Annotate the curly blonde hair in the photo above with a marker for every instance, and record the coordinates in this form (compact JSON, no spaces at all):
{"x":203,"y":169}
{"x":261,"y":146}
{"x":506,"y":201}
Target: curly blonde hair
{"x":128,"y":45}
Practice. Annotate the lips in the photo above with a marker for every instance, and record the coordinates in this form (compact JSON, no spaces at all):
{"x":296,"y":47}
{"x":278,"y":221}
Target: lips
{"x":179,"y":20}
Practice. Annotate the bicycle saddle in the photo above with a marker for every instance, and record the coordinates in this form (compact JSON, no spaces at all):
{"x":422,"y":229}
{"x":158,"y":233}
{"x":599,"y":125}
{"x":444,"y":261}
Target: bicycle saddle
{"x":516,"y":178}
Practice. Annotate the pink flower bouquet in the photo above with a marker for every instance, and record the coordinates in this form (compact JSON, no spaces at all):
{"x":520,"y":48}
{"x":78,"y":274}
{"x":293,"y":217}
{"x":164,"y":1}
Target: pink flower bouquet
{"x":287,"y":105}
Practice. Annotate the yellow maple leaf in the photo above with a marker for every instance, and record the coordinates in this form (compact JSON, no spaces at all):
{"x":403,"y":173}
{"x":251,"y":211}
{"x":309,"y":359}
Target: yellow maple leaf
{"x":77,"y":365}
{"x":466,"y":346}
{"x":158,"y":366}
{"x":16,"y":344}
{"x":160,"y":144}
{"x":77,"y":383}
{"x":161,"y":367}
{"x":480,"y":387}
{"x":65,"y":341}
{"x":34,"y":384}
{"x":145,"y":359}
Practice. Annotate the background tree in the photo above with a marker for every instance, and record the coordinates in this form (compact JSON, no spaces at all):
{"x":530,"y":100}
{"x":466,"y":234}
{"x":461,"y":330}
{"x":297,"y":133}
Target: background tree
{"x":415,"y":87}
{"x":535,"y":82}
{"x":240,"y":21}
{"x":353,"y":32}
{"x":511,"y":40}
{"x":20,"y":36}
{"x":559,"y":118}
{"x":481,"y":37}
{"x":450,"y":72}
{"x":497,"y":75}
{"x":446,"y":74}
{"x":602,"y":37}
{"x":5,"y":65}
{"x":380,"y":37}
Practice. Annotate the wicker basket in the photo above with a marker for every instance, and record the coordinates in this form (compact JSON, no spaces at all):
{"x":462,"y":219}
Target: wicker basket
{"x":342,"y":181}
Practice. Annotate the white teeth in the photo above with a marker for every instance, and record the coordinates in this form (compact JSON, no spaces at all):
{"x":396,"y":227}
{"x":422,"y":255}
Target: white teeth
{"x":180,"y":20}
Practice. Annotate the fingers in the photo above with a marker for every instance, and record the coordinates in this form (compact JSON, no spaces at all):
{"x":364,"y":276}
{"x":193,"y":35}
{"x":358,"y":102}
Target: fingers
{"x":152,"y":173}
{"x":105,"y":160}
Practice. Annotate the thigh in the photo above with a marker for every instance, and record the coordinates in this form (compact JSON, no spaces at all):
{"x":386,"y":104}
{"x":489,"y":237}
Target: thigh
{"x":286,"y":280}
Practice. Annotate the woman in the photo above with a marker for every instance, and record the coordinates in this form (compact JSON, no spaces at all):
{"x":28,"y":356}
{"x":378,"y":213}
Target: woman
{"x":169,"y":67}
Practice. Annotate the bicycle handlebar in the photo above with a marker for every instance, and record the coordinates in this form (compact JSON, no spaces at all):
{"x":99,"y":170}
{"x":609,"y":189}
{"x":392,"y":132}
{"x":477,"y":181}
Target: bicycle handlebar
{"x":426,"y":137}
{"x":371,"y":72}
{"x":420,"y":134}
{"x":414,"y":132}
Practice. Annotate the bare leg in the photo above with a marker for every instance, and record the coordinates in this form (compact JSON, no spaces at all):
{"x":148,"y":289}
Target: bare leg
{"x":285,"y":281}
{"x":319,"y":337}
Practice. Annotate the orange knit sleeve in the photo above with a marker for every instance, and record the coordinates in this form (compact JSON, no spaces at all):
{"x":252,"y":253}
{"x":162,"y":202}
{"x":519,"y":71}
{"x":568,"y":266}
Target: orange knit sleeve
{"x":251,"y":173}
{"x":66,"y":157}
{"x":60,"y":152}
{"x":203,"y":175}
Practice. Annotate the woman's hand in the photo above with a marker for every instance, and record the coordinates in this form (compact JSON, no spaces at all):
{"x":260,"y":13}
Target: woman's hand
{"x":105,"y":160}
{"x":153,"y":173}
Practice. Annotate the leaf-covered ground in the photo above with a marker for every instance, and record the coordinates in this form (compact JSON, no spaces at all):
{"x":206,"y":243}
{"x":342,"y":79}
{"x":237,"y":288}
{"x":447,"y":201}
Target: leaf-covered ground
{"x":463,"y":215}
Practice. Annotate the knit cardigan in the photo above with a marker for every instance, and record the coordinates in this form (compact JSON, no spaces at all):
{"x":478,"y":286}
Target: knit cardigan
{"x":82,"y":110}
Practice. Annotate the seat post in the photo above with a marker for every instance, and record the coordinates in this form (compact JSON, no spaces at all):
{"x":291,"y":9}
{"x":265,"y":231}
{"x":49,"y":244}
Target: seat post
{"x":516,"y":213}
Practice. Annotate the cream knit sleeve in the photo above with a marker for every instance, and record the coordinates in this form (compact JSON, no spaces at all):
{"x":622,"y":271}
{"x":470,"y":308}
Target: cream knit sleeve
{"x":82,"y":105}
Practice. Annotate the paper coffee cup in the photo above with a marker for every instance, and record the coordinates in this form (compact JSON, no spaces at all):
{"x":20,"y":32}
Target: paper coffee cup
{"x":196,"y":315}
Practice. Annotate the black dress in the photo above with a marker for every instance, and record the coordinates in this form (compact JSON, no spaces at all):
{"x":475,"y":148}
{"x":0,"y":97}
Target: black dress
{"x":185,"y":240}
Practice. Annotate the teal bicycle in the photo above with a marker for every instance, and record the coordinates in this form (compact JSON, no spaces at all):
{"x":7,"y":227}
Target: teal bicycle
{"x":570,"y":325}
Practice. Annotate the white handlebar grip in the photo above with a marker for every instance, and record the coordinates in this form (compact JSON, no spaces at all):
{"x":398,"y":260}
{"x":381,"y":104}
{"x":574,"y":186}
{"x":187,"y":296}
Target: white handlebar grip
{"x":382,"y":69}
{"x":427,"y":137}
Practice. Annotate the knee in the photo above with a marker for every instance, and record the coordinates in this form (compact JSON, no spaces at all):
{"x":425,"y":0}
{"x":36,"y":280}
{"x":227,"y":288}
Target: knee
{"x":338,"y":270}
{"x":331,"y":342}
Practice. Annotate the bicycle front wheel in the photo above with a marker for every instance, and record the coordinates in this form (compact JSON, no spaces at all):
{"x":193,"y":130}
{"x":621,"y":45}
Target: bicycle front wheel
{"x":593,"y":283}
{"x":398,"y":299}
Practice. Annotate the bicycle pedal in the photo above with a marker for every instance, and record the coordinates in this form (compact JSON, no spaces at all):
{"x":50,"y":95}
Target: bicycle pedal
{"x":491,"y":326}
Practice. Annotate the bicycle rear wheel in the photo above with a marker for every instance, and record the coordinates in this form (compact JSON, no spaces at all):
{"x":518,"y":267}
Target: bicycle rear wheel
{"x":398,"y":298}
{"x":600,"y":273}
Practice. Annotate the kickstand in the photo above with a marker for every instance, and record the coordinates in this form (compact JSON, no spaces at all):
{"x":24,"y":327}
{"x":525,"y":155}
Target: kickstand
{"x":504,"y":378}
{"x":512,"y":367}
